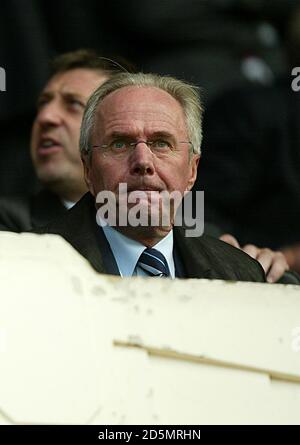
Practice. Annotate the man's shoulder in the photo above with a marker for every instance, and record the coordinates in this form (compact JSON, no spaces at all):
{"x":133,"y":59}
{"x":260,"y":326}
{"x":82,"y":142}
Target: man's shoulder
{"x":219,"y":259}
{"x":20,"y":213}
{"x":15,"y":213}
{"x":78,"y":226}
{"x":72,"y":220}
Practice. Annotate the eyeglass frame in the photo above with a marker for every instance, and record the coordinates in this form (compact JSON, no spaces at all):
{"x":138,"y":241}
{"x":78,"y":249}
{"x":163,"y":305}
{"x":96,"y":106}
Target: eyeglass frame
{"x":148,"y":143}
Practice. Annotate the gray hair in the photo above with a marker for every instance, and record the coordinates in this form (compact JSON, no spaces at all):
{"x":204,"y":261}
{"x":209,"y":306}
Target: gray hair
{"x":186,"y":94}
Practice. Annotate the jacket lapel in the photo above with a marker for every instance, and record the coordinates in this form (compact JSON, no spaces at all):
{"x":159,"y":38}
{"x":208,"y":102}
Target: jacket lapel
{"x":81,"y":230}
{"x":45,"y":207}
{"x":192,"y":255}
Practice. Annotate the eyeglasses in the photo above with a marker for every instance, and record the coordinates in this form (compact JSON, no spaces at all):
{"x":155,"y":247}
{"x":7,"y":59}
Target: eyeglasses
{"x":122,"y":147}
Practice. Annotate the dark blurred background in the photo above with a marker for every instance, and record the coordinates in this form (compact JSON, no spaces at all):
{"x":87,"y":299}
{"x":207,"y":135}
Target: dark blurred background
{"x":216,"y":44}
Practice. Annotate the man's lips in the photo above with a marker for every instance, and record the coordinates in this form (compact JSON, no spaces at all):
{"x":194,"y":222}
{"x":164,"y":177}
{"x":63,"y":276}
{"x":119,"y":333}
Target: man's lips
{"x":143,"y":189}
{"x":43,"y":152}
{"x":150,"y":195}
{"x":48,"y":146}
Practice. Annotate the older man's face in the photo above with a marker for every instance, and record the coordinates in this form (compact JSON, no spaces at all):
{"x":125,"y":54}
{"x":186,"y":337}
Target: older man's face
{"x":140,"y":114}
{"x":56,"y":128}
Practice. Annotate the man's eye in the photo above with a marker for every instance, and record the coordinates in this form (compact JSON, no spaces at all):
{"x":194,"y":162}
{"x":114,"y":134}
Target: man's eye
{"x":118,"y":145}
{"x":76,"y":103}
{"x":161,"y":144}
{"x":41,"y":103}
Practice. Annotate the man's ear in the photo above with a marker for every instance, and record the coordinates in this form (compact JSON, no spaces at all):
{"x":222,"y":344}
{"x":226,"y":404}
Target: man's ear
{"x":87,"y":161}
{"x":193,"y":171}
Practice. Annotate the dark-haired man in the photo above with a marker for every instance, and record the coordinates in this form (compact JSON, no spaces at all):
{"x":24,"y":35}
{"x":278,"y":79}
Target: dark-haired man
{"x":54,"y":140}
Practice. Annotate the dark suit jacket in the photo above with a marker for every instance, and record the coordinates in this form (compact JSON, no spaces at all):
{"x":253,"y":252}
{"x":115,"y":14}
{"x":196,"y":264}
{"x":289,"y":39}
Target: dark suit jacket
{"x":21,"y":213}
{"x":202,"y":257}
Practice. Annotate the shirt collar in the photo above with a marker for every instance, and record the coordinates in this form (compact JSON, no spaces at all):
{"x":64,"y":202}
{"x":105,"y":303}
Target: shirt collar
{"x":68,"y":204}
{"x":127,"y":251}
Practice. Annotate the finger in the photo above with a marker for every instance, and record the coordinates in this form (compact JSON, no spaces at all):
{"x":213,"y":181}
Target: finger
{"x":229,"y":239}
{"x":252,"y":250}
{"x":278,"y":267}
{"x":266,"y":258}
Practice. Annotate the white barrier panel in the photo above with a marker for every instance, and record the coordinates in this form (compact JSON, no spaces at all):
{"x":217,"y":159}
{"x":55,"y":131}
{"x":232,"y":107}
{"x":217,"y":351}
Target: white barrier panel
{"x":78,"y":347}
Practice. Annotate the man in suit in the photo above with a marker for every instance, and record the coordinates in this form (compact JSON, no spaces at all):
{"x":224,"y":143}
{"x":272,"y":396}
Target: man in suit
{"x":55,"y":153}
{"x":54,"y":140}
{"x":142,"y":131}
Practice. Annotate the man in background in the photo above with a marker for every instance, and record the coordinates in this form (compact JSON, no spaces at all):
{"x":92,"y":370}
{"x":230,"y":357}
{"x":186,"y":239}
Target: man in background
{"x":54,"y":140}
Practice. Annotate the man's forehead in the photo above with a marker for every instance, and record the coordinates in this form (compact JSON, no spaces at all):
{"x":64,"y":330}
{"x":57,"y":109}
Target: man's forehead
{"x":139,"y":99}
{"x":81,"y":81}
{"x":139,"y":110}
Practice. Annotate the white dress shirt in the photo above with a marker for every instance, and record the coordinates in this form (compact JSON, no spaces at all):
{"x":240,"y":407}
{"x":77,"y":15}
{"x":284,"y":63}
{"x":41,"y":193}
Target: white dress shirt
{"x":127,"y":252}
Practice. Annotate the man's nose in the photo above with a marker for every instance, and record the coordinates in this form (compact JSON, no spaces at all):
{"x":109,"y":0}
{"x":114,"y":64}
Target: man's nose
{"x":49,"y":114}
{"x":141,"y":160}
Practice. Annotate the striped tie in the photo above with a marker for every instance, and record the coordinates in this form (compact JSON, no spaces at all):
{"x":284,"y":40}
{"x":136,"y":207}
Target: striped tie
{"x":153,"y":262}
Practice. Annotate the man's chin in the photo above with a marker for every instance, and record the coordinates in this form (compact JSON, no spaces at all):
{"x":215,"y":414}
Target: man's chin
{"x":145,"y":216}
{"x":146,"y":235}
{"x":49,"y":176}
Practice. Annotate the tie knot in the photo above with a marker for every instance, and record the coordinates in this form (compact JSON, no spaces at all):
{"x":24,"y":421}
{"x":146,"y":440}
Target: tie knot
{"x":154,"y":262}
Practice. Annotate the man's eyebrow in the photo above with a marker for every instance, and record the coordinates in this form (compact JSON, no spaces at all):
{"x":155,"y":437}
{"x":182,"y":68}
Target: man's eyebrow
{"x":65,"y":95}
{"x":120,"y":134}
{"x":126,"y":133}
{"x":73,"y":94}
{"x":162,"y":134}
{"x":43,"y":96}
